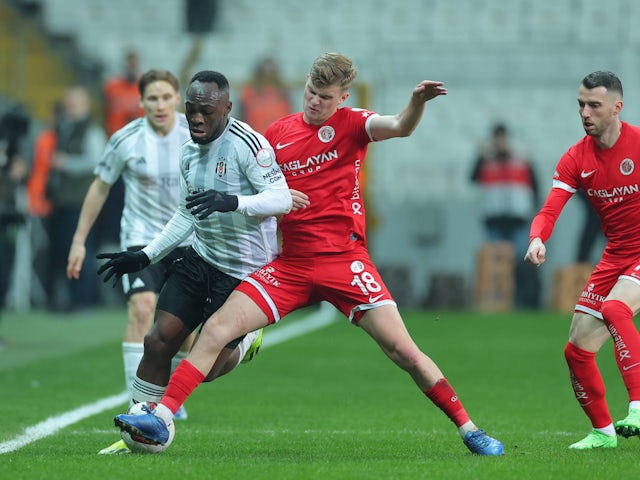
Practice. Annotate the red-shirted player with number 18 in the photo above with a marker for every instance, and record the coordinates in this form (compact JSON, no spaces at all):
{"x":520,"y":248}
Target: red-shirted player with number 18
{"x":602,"y":164}
{"x":324,"y":255}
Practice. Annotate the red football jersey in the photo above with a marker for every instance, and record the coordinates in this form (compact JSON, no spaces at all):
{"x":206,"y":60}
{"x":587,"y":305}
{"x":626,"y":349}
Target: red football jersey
{"x":611,"y":182}
{"x":324,"y":162}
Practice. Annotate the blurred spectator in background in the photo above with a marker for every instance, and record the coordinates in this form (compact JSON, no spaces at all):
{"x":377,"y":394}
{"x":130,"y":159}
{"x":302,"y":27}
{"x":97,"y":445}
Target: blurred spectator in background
{"x":44,"y":148}
{"x":121,"y":96}
{"x":45,"y":144}
{"x":510,"y":197}
{"x":14,"y":127}
{"x":79,"y":144}
{"x":121,"y":105}
{"x":265,"y":97}
{"x":591,"y":231}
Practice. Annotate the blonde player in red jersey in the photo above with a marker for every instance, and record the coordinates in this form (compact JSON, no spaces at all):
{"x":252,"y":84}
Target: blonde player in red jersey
{"x":602,"y":164}
{"x":321,"y":151}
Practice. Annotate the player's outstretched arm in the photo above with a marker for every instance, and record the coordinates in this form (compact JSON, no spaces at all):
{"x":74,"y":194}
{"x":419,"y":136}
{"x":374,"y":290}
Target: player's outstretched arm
{"x":405,"y":122}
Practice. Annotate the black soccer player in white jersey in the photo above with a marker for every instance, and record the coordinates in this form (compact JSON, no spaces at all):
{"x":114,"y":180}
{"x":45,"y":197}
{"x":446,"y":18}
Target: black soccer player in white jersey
{"x":232,"y":189}
{"x":145,"y":153}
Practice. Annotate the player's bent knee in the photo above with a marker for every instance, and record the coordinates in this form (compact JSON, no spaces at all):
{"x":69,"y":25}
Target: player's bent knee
{"x":156,"y":345}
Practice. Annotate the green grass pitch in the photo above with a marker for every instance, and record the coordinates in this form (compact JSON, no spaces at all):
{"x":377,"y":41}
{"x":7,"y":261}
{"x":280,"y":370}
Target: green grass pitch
{"x":326,"y":405}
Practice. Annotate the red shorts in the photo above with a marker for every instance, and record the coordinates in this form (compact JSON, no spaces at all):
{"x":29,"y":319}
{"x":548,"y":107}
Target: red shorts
{"x":349,"y":281}
{"x":606,"y":274}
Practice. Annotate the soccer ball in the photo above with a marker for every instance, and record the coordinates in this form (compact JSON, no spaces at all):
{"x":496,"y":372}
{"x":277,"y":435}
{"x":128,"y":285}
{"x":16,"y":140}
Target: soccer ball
{"x":138,"y":444}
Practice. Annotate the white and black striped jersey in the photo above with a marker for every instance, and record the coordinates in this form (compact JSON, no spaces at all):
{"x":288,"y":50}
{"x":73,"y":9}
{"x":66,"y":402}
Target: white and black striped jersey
{"x":239,"y":162}
{"x":149,"y":165}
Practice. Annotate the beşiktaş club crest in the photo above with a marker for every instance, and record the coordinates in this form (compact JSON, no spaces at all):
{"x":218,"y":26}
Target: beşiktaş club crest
{"x":627,"y":166}
{"x":221,"y":167}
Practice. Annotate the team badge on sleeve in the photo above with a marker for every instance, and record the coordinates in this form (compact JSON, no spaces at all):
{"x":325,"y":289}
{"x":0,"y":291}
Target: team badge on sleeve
{"x":265,"y":157}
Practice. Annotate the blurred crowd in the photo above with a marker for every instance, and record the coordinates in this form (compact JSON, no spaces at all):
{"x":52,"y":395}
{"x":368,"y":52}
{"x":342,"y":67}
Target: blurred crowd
{"x":45,"y":175}
{"x":45,"y":171}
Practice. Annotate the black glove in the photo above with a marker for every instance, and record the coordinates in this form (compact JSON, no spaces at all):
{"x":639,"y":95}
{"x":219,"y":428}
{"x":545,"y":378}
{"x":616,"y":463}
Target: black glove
{"x":121,"y":263}
{"x":206,"y":203}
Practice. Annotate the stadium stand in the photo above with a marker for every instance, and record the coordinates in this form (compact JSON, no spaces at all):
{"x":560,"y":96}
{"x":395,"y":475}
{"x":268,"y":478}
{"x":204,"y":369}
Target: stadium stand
{"x":516,"y":61}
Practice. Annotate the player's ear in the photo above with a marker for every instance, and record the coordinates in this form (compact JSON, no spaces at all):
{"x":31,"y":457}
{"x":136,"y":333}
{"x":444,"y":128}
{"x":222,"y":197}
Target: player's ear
{"x":618,"y":106}
{"x":344,"y":96}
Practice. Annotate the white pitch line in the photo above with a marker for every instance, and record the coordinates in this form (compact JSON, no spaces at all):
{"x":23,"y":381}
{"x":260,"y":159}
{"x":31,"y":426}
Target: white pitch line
{"x":52,"y":424}
{"x":323,"y":317}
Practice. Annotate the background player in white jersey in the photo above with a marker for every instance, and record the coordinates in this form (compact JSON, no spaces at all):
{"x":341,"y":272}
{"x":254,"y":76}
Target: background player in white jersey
{"x":324,"y":256}
{"x":602,"y":164}
{"x":231,"y":190}
{"x":145,"y":153}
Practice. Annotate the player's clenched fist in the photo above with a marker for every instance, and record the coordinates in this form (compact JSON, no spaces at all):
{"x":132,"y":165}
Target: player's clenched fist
{"x":536,"y":252}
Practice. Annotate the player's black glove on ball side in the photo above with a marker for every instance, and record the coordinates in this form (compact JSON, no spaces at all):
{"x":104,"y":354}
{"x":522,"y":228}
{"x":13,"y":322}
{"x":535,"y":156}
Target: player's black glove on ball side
{"x":203,"y":204}
{"x":121,"y":263}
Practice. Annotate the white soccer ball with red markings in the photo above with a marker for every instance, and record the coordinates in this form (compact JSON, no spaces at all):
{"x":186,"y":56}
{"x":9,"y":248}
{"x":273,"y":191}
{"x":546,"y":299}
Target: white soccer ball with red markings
{"x":138,"y":444}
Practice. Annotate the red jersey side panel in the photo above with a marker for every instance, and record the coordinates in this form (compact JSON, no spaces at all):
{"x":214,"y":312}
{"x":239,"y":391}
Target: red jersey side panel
{"x":313,"y":163}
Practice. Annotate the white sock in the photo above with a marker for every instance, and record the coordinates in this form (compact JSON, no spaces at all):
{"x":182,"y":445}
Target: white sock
{"x":131,"y":356}
{"x":466,"y":428}
{"x":634,"y":404}
{"x":608,"y":430}
{"x":164,"y":413}
{"x":143,"y":391}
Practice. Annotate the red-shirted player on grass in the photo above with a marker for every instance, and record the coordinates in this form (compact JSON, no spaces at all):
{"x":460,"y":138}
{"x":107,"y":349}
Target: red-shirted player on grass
{"x":321,"y":151}
{"x":602,"y":164}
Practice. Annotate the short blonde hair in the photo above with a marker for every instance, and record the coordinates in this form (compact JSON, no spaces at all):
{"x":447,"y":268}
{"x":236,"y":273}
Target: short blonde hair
{"x":332,"y":69}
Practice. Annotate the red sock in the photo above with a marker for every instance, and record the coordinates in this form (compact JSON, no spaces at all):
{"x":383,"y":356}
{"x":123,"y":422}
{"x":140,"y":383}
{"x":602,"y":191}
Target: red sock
{"x":588,"y":385}
{"x":183,"y":382}
{"x":444,"y":397}
{"x":626,"y":343}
